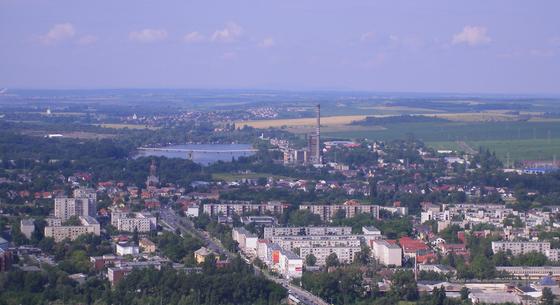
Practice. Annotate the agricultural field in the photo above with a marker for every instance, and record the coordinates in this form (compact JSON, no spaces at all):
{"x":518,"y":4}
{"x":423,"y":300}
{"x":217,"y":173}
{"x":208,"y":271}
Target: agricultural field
{"x":127,"y":126}
{"x":526,"y":149}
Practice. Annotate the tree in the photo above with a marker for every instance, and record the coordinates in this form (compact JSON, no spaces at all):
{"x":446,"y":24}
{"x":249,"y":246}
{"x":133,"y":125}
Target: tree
{"x":304,"y":218}
{"x":465,"y":293}
{"x":135,"y":236}
{"x":404,"y":286}
{"x":438,"y":296}
{"x":547,"y":297}
{"x":332,"y":260}
{"x":310,"y":260}
{"x":364,"y":256}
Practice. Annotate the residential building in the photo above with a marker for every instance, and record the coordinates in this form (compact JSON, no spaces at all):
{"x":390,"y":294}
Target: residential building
{"x":201,"y":254}
{"x":520,"y":247}
{"x":290,"y":265}
{"x":128,"y":222}
{"x":270,"y":232}
{"x":126,"y":248}
{"x":5,"y":260}
{"x":348,"y":210}
{"x":527,"y":272}
{"x":388,"y":254}
{"x":316,"y":241}
{"x":345,"y":254}
{"x":59,"y":233}
{"x":259,"y":220}
{"x":240,"y":208}
{"x":27,"y":227}
{"x":245,"y":239}
{"x":65,"y":207}
{"x":147,"y":246}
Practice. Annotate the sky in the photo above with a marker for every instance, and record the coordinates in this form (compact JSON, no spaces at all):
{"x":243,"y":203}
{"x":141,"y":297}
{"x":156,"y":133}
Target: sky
{"x":475,"y":46}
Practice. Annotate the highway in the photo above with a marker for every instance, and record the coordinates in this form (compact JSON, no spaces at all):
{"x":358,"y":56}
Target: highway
{"x":169,"y":218}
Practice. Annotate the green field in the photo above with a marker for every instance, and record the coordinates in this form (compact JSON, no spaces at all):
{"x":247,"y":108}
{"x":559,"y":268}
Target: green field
{"x":523,"y":140}
{"x":539,"y":149}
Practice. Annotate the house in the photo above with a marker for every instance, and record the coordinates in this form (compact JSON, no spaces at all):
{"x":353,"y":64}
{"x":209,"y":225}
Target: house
{"x":127,"y":248}
{"x":147,"y":245}
{"x":201,"y":254}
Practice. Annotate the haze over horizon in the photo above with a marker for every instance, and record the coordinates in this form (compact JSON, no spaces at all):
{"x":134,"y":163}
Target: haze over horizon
{"x":505,"y":47}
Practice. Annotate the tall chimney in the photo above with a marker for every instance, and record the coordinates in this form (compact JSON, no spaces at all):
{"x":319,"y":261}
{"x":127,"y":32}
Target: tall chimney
{"x":318,"y":144}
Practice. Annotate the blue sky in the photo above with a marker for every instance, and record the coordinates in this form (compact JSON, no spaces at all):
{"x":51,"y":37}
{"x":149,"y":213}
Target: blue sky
{"x":406,"y":46}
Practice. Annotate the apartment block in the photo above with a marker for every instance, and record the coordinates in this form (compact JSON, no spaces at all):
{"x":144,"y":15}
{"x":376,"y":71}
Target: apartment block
{"x":316,"y":241}
{"x":59,"y":233}
{"x":245,"y":239}
{"x":531,"y":272}
{"x":270,"y":232}
{"x":125,"y":221}
{"x":290,"y":265}
{"x":327,"y":212}
{"x":521,"y":247}
{"x":345,"y":254}
{"x":27,"y":227}
{"x":65,"y":207}
{"x":240,"y":208}
{"x":388,"y":254}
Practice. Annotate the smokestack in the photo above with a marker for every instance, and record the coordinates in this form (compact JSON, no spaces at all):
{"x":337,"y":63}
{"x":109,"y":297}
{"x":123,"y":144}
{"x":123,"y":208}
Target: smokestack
{"x":318,"y":144}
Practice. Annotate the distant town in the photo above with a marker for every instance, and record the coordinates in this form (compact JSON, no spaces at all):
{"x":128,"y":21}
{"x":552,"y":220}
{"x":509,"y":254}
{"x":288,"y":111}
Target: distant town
{"x":97,"y":211}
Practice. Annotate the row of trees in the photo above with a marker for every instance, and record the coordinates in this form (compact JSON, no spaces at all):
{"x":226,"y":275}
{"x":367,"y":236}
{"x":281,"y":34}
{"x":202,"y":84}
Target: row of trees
{"x":234,"y":284}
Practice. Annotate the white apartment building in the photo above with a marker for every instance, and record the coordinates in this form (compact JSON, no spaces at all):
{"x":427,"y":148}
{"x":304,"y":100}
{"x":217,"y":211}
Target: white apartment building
{"x":553,"y":254}
{"x":27,"y":227}
{"x":316,"y":241}
{"x":65,"y":207}
{"x":245,"y":239}
{"x":531,"y":272}
{"x":290,"y":265}
{"x":125,"y":221}
{"x":388,"y":254}
{"x":270,"y":232}
{"x":327,"y":212}
{"x":521,"y":247}
{"x":59,"y":233}
{"x":123,"y":249}
{"x":432,"y":214}
{"x":240,"y":208}
{"x":345,"y":254}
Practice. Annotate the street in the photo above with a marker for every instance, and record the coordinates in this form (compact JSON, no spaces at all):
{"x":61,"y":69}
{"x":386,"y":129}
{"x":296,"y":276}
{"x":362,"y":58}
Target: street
{"x":169,"y":218}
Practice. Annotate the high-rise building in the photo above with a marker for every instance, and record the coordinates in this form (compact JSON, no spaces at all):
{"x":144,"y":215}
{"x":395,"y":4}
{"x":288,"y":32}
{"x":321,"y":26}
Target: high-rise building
{"x":152,"y":180}
{"x":84,"y":203}
{"x":314,"y":141}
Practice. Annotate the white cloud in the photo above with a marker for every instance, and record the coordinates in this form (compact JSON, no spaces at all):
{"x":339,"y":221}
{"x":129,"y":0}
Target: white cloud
{"x":148,"y":35}
{"x":472,"y":36}
{"x":86,"y":40}
{"x":57,"y":33}
{"x":267,"y":43}
{"x":230,"y":33}
{"x":193,"y":37}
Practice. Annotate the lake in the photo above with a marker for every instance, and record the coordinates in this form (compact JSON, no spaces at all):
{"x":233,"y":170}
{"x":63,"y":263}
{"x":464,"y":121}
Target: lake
{"x":202,"y":153}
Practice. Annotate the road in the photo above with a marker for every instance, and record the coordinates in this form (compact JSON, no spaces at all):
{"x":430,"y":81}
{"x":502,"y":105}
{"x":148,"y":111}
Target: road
{"x":169,"y":218}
